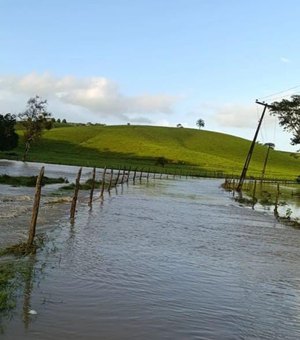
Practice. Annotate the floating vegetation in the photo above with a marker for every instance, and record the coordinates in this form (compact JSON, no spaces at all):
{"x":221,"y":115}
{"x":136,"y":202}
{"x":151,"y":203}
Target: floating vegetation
{"x":30,"y":181}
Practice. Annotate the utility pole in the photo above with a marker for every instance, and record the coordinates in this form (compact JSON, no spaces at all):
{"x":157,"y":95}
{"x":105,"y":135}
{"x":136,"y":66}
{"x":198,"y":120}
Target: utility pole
{"x":246,"y":165}
{"x":270,"y":146}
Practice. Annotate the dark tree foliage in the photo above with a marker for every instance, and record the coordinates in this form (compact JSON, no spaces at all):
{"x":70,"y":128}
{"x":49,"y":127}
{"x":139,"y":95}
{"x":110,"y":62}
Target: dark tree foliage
{"x":288,"y":114}
{"x":8,"y":137}
{"x":200,"y":123}
{"x":35,"y":119}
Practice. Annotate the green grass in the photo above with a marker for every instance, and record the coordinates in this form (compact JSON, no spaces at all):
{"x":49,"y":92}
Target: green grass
{"x":186,"y":150}
{"x":28,"y":181}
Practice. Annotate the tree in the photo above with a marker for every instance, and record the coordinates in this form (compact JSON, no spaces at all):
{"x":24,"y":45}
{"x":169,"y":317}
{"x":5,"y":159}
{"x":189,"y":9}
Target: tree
{"x":200,"y":123}
{"x":288,"y":114}
{"x":8,"y":137}
{"x":35,"y":119}
{"x":161,"y":161}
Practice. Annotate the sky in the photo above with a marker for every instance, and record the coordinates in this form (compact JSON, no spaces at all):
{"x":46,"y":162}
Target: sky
{"x":153,"y":62}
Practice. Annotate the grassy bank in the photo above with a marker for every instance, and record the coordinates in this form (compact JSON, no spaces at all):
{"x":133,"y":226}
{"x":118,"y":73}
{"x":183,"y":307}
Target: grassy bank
{"x":159,"y":149}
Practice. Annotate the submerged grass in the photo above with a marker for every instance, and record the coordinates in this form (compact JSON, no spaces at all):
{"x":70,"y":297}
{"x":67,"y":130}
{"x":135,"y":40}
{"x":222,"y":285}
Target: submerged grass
{"x":28,"y":181}
{"x":22,"y":249}
{"x":267,"y":195}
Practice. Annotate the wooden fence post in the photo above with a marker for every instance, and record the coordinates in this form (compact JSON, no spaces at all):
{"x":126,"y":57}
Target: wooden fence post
{"x":111,"y":178}
{"x":35,"y":209}
{"x":133,"y":180}
{"x":141,"y":174}
{"x":103,"y":183}
{"x":93,"y":187}
{"x":75,"y":197}
{"x":128,"y":174}
{"x":118,"y":176}
{"x":276,"y":202}
{"x":253,"y":195}
{"x":123,"y":176}
{"x":148,"y":175}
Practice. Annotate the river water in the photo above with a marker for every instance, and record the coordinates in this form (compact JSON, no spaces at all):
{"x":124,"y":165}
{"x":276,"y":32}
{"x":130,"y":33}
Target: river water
{"x":164,"y":259}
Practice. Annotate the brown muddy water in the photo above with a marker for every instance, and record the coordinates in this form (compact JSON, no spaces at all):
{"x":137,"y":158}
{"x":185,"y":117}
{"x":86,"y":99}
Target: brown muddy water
{"x":167,"y":259}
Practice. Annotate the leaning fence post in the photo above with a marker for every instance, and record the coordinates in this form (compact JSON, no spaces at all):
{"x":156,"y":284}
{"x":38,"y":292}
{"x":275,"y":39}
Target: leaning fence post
{"x":74,"y":200}
{"x":35,"y":209}
{"x":92,"y":187}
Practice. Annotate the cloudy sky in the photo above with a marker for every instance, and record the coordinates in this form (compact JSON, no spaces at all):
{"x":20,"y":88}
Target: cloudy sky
{"x":154,"y":62}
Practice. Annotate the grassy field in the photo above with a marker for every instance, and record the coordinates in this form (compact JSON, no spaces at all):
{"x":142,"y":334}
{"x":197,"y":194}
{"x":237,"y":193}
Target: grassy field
{"x":186,"y":150}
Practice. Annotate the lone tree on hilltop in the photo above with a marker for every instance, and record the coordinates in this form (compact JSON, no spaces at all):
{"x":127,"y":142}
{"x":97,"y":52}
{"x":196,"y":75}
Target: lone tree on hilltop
{"x":8,"y":137}
{"x":288,"y":114}
{"x":35,"y":119}
{"x":200,"y":123}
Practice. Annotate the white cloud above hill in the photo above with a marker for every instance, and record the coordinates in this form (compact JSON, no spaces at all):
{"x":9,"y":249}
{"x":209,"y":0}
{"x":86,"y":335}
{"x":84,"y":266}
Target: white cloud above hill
{"x":96,"y":96}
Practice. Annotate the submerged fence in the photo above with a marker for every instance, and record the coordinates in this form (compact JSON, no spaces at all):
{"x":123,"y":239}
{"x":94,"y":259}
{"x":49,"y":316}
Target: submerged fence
{"x":269,"y":194}
{"x":100,"y":182}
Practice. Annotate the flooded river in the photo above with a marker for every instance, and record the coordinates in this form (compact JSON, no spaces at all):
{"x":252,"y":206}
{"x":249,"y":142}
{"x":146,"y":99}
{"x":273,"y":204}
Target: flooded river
{"x":167,"y":259}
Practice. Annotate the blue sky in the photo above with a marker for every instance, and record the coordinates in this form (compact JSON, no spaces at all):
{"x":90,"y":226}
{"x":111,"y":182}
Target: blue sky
{"x":158,"y":62}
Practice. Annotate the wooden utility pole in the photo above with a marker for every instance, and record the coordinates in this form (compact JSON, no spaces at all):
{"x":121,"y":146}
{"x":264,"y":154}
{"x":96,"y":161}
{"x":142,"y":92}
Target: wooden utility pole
{"x":270,"y":146}
{"x":248,"y":158}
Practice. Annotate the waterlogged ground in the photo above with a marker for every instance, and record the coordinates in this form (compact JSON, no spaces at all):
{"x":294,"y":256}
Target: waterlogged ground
{"x":167,"y":259}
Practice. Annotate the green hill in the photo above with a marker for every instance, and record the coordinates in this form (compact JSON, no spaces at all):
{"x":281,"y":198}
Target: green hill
{"x":186,"y":150}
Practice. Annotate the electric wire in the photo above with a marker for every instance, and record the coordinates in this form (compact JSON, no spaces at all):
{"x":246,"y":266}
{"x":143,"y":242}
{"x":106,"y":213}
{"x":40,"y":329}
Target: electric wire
{"x":280,"y":92}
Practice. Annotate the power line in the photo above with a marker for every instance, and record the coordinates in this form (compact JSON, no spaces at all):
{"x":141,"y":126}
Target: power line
{"x":280,"y":92}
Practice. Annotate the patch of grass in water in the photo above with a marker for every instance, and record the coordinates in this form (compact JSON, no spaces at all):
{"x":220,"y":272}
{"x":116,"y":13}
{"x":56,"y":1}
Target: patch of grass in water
{"x":29,"y":181}
{"x":22,"y":249}
{"x":84,"y":186}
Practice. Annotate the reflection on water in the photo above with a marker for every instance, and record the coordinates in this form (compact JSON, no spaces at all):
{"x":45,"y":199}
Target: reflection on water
{"x":165,"y":260}
{"x":16,"y":282}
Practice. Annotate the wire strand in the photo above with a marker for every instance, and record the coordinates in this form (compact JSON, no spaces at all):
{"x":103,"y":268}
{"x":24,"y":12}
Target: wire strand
{"x":280,"y":92}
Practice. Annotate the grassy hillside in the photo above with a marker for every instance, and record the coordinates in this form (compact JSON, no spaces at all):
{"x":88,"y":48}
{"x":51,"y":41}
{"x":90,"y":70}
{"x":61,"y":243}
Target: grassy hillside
{"x":141,"y":146}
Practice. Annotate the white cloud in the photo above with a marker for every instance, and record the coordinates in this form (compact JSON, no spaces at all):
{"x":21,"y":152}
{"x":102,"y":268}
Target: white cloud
{"x":240,"y":116}
{"x":97,"y":96}
{"x":285,"y":60}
